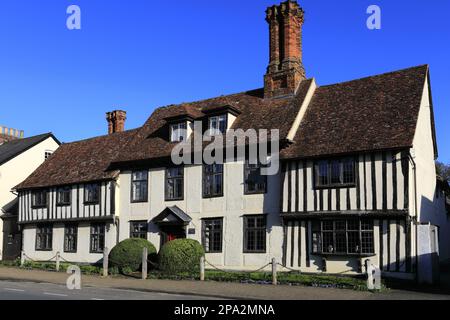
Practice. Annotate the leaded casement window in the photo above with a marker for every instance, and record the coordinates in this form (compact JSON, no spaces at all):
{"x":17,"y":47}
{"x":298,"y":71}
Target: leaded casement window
{"x":97,"y":243}
{"x":178,"y":132}
{"x":70,"y":238}
{"x":174,"y":188}
{"x":217,"y":124}
{"x":139,"y":186}
{"x":212,"y":180}
{"x":343,"y":237}
{"x":254,"y":181}
{"x":138,"y":229}
{"x":44,"y":237}
{"x":255,"y":234}
{"x":212,"y":231}
{"x":39,"y":199}
{"x":63,"y":196}
{"x":91,"y":193}
{"x":335,"y":173}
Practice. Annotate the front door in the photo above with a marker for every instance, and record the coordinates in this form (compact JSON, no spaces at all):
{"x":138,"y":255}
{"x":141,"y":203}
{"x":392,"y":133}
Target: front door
{"x":12,"y":240}
{"x":169,"y":233}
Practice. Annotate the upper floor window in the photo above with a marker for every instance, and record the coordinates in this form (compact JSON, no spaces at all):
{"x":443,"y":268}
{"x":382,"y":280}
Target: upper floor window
{"x":174,"y":183}
{"x":217,"y":124}
{"x":63,"y":196}
{"x":39,"y":199}
{"x":212,"y":180}
{"x":44,"y":237}
{"x":343,"y":237}
{"x":335,"y":173}
{"x":178,"y":132}
{"x":254,"y":181}
{"x":91,"y":193}
{"x":139,"y":186}
{"x":47,"y":154}
{"x":138,"y":229}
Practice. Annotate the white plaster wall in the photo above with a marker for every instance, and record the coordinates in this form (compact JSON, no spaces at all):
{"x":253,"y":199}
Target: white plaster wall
{"x":232,"y":206}
{"x":81,"y":256}
{"x":430,"y":208}
{"x":18,"y":169}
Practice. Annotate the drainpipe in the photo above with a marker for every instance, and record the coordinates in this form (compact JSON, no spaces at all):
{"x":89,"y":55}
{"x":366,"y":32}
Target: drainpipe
{"x":415,"y":212}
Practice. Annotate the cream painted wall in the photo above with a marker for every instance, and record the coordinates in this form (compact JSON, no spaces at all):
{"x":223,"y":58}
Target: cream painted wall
{"x":83,"y":243}
{"x":18,"y":169}
{"x":232,"y":206}
{"x":430,"y":208}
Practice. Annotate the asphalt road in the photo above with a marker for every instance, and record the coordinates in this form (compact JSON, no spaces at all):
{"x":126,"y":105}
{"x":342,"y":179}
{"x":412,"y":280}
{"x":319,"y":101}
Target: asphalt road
{"x":12,"y":290}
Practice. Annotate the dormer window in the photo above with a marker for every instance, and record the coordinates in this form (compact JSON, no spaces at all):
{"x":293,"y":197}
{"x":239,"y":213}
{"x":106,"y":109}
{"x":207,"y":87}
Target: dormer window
{"x":178,"y":132}
{"x":218,"y":124}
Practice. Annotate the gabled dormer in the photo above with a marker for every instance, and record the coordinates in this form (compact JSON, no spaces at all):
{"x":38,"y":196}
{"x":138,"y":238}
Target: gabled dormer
{"x":181,"y":124}
{"x":220,"y":118}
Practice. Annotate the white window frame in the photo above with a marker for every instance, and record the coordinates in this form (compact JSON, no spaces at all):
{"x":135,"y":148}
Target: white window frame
{"x":178,"y":132}
{"x":215,"y":129}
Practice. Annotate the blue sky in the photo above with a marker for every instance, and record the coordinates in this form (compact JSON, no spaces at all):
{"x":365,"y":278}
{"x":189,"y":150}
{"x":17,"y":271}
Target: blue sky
{"x":140,"y":54}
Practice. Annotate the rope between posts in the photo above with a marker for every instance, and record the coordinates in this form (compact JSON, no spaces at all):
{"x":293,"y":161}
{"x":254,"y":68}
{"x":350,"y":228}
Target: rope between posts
{"x":286,"y":267}
{"x":32,"y":260}
{"x":222,"y":270}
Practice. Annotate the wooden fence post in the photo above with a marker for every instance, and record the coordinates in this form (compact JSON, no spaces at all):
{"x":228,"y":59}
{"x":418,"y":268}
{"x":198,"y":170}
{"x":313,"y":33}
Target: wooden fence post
{"x":22,"y":258}
{"x":144,"y":263}
{"x":274,"y":272}
{"x":57,"y":261}
{"x":105,"y":262}
{"x":202,"y":268}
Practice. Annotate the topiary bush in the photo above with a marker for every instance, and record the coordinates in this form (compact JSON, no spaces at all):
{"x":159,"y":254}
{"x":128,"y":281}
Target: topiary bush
{"x":127,"y":255}
{"x":181,"y":255}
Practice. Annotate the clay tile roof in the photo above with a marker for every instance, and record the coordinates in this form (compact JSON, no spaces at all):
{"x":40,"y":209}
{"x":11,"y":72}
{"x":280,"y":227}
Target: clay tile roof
{"x":255,"y":112}
{"x":374,"y":113}
{"x":81,"y":161}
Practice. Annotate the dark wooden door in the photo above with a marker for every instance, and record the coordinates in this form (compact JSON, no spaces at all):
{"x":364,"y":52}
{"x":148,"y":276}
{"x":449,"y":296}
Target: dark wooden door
{"x":12,"y":240}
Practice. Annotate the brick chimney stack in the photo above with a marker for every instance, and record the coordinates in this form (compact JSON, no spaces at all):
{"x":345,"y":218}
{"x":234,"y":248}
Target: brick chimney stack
{"x":116,"y":121}
{"x":285,"y":70}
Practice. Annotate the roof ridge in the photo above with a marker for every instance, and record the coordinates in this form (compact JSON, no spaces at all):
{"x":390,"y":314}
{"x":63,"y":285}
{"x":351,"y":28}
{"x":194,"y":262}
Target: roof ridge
{"x":376,"y":75}
{"x":102,"y":136}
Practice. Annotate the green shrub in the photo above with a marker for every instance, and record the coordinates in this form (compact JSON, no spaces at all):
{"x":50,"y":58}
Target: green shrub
{"x":127,"y":255}
{"x":181,"y":255}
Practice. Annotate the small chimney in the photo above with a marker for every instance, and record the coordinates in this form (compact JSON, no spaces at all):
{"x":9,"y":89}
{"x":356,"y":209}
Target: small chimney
{"x":285,"y":70}
{"x":116,"y":121}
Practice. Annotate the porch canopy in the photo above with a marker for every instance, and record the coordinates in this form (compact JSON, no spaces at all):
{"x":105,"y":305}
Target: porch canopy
{"x":172,"y":216}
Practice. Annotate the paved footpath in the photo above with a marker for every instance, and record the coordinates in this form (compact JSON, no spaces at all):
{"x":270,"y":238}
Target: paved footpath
{"x":215,"y":289}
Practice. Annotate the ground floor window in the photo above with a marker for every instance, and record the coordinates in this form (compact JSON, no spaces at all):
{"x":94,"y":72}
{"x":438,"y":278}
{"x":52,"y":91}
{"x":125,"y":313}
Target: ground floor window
{"x":44,"y":237}
{"x":255,"y":234}
{"x":70,"y":237}
{"x":352,"y":236}
{"x":212,"y":230}
{"x":97,"y":244}
{"x":138,"y":229}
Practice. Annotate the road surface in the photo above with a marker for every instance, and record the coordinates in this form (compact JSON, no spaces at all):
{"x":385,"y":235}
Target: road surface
{"x":15,"y":290}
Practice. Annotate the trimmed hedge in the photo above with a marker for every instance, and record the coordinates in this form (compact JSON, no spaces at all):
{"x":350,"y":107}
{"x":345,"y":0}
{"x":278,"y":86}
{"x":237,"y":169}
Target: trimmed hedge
{"x":127,"y":255}
{"x":181,"y":255}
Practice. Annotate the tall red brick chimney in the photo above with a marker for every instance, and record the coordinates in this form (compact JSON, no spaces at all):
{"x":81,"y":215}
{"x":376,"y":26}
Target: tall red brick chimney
{"x":285,"y":70}
{"x":116,"y":121}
